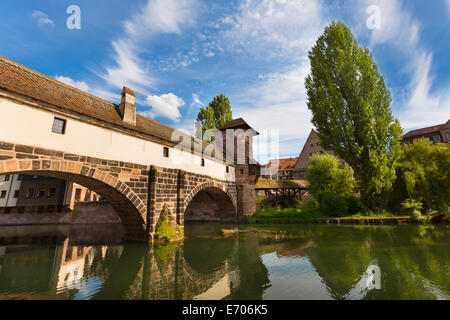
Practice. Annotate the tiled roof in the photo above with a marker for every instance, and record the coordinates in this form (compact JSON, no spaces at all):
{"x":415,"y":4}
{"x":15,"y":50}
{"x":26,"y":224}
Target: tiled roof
{"x":236,"y":123}
{"x":426,"y":130}
{"x":17,"y":78}
{"x":282,"y":163}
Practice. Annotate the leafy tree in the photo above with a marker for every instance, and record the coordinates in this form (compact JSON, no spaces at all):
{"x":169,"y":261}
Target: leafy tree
{"x":351,"y":110}
{"x":423,"y":175}
{"x":215,"y":115}
{"x":324,"y":173}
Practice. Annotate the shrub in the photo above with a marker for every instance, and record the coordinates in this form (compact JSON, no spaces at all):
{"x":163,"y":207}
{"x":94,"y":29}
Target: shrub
{"x":355,"y":206}
{"x":332,"y":205}
{"x":422,"y":175}
{"x":324,"y":173}
{"x":412,"y":208}
{"x":164,"y":231}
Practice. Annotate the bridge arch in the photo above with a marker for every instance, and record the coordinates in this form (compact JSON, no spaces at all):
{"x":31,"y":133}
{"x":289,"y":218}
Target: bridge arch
{"x":210,"y":201}
{"x":128,"y":205}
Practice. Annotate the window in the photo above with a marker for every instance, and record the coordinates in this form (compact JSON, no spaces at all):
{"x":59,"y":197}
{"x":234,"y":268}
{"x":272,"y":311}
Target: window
{"x":227,"y":169}
{"x":203,"y":162}
{"x":41,"y":192}
{"x":51,"y":192}
{"x":30,"y":193}
{"x":59,"y":126}
{"x":77,"y":194}
{"x":16,"y":194}
{"x":448,"y":136}
{"x":7,"y":177}
{"x":312,"y":144}
{"x":3,"y":195}
{"x":20,"y":177}
{"x":166,"y":152}
{"x":437,"y":138}
{"x":242,"y":171}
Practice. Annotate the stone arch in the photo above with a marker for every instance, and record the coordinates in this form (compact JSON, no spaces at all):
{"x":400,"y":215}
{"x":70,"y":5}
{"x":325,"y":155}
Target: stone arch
{"x":131,"y":209}
{"x":217,"y":193}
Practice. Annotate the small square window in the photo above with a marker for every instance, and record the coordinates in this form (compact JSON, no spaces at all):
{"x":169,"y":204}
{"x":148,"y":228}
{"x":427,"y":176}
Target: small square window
{"x":3,"y":195}
{"x":7,"y":177}
{"x":59,"y":126}
{"x":41,"y":192}
{"x":203,"y":162}
{"x":30,"y":193}
{"x":166,"y":152}
{"x":16,"y":194}
{"x":51,"y":192}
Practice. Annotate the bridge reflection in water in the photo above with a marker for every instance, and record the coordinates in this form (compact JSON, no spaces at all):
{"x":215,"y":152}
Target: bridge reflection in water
{"x":303,"y":262}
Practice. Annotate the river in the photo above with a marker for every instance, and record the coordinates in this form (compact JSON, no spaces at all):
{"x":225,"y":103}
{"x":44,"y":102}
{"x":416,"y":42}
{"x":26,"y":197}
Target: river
{"x":269,"y":262}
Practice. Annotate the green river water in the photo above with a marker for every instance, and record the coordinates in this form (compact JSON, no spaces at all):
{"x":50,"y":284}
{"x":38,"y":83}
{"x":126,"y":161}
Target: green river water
{"x":276,"y":262}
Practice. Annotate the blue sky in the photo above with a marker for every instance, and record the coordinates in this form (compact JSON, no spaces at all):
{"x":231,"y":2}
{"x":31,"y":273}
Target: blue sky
{"x":178,"y":54}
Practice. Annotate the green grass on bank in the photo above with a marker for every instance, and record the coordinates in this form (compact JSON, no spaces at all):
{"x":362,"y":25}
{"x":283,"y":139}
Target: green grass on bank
{"x":304,"y":214}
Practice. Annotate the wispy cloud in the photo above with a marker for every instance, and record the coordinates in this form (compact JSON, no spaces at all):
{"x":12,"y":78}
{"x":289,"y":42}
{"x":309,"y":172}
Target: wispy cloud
{"x":421,"y":107}
{"x":42,"y":18}
{"x":154,"y":17}
{"x":83,"y":86}
{"x":273,"y":28}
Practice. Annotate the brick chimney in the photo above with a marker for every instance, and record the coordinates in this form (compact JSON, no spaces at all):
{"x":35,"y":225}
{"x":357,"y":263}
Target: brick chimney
{"x":127,"y":108}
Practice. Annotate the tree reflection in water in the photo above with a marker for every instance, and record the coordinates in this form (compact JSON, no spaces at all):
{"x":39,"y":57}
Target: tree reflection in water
{"x":301,"y":262}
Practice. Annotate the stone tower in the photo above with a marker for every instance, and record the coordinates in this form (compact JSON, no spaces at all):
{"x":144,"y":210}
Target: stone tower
{"x":237,"y":142}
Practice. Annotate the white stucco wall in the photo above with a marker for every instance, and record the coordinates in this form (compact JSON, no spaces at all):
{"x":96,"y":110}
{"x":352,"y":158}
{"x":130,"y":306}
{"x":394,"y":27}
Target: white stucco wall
{"x":23,"y":124}
{"x":10,"y":187}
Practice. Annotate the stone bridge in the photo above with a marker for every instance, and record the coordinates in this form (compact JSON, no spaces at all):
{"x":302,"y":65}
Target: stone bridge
{"x":138,"y":165}
{"x":136,"y":192}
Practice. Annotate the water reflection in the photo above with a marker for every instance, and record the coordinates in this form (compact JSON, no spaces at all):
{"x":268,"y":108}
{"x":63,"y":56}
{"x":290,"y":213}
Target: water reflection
{"x":273,"y":262}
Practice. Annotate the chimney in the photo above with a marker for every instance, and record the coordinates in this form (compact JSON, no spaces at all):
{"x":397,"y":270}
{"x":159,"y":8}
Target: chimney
{"x":127,"y":108}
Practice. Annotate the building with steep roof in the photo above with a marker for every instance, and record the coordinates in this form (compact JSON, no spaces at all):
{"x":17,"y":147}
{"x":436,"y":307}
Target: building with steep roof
{"x":437,"y":133}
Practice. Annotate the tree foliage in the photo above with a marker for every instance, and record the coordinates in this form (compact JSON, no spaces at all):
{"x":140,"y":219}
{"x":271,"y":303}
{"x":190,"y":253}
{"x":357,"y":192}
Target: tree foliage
{"x":215,"y":115}
{"x":351,"y":110}
{"x":423,"y":175}
{"x":324,"y":173}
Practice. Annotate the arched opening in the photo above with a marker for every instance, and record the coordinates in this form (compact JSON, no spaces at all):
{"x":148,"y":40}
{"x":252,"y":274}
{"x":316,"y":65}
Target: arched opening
{"x":131,"y":218}
{"x":210,"y":204}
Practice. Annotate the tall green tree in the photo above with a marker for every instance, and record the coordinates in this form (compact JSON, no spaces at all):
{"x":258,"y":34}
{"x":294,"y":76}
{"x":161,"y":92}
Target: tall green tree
{"x":215,"y":115}
{"x":351,"y":110}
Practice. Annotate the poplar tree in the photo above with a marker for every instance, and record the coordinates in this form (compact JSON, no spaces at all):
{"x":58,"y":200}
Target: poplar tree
{"x":351,"y":110}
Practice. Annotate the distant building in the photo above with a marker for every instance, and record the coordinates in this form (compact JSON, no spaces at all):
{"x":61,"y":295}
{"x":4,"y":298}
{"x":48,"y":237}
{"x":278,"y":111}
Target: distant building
{"x":25,"y":193}
{"x":9,"y":191}
{"x":279,"y":169}
{"x":43,"y":194}
{"x":438,"y":133}
{"x":312,"y":146}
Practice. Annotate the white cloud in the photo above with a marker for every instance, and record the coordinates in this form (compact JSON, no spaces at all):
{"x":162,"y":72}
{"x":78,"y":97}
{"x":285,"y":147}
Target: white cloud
{"x":274,"y":28}
{"x":421,"y":107}
{"x":81,"y":85}
{"x":161,"y":16}
{"x":156,"y":16}
{"x":42,"y":18}
{"x":278,"y":101}
{"x":129,"y":70}
{"x":196,"y":100}
{"x":165,"y":105}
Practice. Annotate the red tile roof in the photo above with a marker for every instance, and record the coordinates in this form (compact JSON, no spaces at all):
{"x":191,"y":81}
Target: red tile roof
{"x":427,"y":130}
{"x":283,"y":164}
{"x":17,"y":78}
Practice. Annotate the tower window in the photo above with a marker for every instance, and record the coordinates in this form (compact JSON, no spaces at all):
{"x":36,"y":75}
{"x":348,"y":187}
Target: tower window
{"x":3,"y":195}
{"x":203,"y":162}
{"x":227,"y":169}
{"x":59,"y":126}
{"x":166,"y":152}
